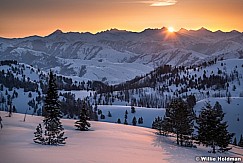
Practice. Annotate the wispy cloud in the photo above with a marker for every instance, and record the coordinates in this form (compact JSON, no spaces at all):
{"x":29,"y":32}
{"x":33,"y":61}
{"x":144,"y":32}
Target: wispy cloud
{"x":158,"y":3}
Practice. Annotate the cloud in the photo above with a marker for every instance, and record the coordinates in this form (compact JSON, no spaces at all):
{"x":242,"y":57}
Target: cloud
{"x":164,"y":3}
{"x":158,"y":3}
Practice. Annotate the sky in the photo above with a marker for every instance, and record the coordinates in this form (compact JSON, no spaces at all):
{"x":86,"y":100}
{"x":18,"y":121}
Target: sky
{"x":20,"y":18}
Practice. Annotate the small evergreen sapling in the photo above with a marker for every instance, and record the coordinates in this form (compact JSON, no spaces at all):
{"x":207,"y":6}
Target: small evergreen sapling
{"x":162,"y":126}
{"x":125,"y":116}
{"x":102,"y":116}
{"x":134,"y":121}
{"x":157,"y":124}
{"x":109,"y":114}
{"x":140,"y":120}
{"x":235,"y":142}
{"x":99,"y":112}
{"x":125,"y":122}
{"x":240,"y":144}
{"x":133,"y":109}
{"x":119,"y":120}
{"x":38,"y":135}
{"x":82,"y":124}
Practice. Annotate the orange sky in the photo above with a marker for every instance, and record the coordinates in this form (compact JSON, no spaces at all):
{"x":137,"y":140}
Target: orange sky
{"x":20,"y":18}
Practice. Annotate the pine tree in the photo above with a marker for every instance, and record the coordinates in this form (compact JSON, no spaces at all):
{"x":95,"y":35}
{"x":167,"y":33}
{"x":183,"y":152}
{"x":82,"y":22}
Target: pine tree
{"x":134,"y":121}
{"x":102,"y":116}
{"x":82,"y":124}
{"x":53,"y":134}
{"x":125,"y":117}
{"x":38,"y":135}
{"x":125,"y":122}
{"x":157,"y":124}
{"x":119,"y":120}
{"x":191,"y":101}
{"x":211,"y":130}
{"x":99,"y":112}
{"x":179,"y":118}
{"x":140,"y":120}
{"x":133,"y":109}
{"x":229,"y":98}
{"x":240,"y":144}
{"x":235,"y":141}
{"x":109,"y":114}
{"x":166,"y":127}
{"x":10,"y":107}
{"x":162,"y":125}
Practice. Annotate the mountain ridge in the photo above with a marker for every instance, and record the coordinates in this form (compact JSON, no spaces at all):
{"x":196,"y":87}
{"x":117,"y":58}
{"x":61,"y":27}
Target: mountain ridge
{"x":59,"y":31}
{"x":68,"y":53}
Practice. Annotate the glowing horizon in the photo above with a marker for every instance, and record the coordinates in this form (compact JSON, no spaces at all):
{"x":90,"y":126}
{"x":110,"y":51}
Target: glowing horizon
{"x":34,"y":17}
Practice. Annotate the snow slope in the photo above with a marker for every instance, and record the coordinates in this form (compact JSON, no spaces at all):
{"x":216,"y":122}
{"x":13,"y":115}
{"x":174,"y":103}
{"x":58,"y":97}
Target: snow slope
{"x":104,"y":143}
{"x":118,"y":111}
{"x":104,"y":70}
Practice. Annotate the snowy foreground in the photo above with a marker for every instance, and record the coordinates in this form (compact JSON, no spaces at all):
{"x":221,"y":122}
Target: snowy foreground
{"x":105,"y":143}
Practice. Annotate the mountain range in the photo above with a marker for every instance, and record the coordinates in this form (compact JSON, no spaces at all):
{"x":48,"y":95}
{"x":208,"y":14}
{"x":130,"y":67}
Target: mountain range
{"x":114,"y":56}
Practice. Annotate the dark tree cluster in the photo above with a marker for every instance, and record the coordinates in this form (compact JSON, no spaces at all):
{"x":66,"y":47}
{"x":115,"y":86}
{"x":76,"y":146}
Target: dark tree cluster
{"x":9,"y":80}
{"x":211,"y":129}
{"x":71,"y":107}
{"x":8,"y":62}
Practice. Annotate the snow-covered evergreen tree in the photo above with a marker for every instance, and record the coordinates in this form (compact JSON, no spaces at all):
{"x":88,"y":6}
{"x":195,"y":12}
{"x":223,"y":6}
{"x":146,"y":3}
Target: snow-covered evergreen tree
{"x":53,"y":134}
{"x":82,"y":124}
{"x":212,"y":131}
{"x":38,"y":135}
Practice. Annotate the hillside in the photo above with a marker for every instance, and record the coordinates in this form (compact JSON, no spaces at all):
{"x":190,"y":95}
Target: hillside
{"x":157,"y":88}
{"x":22,"y":87}
{"x":104,"y":143}
{"x":149,"y":94}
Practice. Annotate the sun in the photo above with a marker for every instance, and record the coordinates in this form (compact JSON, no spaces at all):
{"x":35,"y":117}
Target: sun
{"x":171,"y":29}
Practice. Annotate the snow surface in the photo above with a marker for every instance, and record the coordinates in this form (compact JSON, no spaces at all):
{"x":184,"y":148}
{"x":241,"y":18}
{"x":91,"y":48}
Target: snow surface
{"x":105,"y":143}
{"x":118,"y":111}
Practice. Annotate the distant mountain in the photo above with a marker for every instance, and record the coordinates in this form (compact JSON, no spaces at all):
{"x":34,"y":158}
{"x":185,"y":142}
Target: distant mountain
{"x":115,"y":56}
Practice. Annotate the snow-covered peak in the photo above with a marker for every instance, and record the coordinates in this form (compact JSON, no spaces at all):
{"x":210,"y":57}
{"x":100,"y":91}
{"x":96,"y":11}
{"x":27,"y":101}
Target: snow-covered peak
{"x":56,"y":32}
